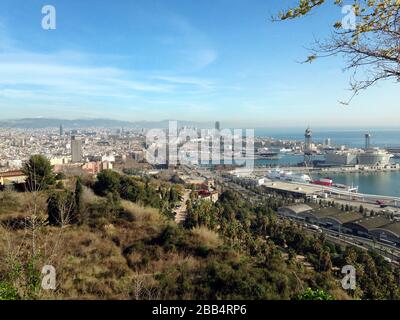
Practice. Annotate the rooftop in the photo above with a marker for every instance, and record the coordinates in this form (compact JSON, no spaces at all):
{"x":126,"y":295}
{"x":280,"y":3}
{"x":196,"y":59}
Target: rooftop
{"x":346,"y":217}
{"x":298,"y":208}
{"x":373,"y":223}
{"x":392,"y":228}
{"x":15,"y":173}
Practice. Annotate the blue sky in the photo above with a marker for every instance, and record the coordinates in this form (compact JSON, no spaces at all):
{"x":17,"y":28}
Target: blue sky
{"x":178,"y":59}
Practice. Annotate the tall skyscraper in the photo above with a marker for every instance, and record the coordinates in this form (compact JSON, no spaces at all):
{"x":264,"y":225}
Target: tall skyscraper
{"x":367,"y":141}
{"x":217,"y":126}
{"x":327,"y":142}
{"x":61,"y":130}
{"x":76,"y":149}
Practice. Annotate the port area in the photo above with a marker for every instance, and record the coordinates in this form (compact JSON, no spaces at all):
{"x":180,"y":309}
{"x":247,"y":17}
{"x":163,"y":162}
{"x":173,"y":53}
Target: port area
{"x":304,"y":190}
{"x":326,"y":170}
{"x":329,"y":193}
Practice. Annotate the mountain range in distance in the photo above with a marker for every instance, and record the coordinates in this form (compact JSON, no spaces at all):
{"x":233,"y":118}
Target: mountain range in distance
{"x":42,"y":123}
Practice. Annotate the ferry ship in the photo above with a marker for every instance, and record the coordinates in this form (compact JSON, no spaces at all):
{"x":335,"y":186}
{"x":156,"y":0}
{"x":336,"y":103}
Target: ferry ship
{"x":327,"y":182}
{"x":289,"y":176}
{"x":268,"y":154}
{"x":277,"y":174}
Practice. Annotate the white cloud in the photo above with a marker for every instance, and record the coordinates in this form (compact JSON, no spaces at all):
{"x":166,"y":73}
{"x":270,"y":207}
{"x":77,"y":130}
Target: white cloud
{"x":203,"y":58}
{"x":202,"y":83}
{"x":196,"y":48}
{"x":26,"y":74}
{"x":64,"y":80}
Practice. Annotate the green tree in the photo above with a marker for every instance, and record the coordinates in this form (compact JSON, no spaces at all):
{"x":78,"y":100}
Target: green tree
{"x":176,"y":179}
{"x":60,"y":176}
{"x":108,"y":181}
{"x":311,"y":294}
{"x":78,"y":196}
{"x":39,"y":173}
{"x":8,"y":292}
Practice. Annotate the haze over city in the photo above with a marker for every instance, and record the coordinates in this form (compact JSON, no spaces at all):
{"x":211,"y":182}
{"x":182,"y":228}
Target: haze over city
{"x":186,"y":60}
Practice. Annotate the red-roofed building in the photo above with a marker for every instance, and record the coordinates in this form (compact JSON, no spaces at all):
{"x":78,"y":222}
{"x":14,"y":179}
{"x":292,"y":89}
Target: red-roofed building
{"x":96,"y":167}
{"x":10,"y":177}
{"x":208,"y":195}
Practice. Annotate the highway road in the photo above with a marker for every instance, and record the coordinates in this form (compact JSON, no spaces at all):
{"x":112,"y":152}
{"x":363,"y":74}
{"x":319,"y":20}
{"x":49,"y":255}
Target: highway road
{"x":390,"y":252}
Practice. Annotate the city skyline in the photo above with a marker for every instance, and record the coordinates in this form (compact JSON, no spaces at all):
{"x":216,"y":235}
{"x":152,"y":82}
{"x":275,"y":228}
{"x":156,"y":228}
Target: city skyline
{"x":157,"y":60}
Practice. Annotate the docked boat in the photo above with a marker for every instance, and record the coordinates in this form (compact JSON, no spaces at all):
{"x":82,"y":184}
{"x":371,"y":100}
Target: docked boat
{"x":278,"y":174}
{"x":275,"y":174}
{"x":346,"y":187}
{"x":269,"y":154}
{"x":327,"y":182}
{"x":302,"y":178}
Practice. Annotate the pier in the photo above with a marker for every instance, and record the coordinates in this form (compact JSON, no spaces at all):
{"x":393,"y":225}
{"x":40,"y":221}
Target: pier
{"x":308,"y":190}
{"x":262,"y":170}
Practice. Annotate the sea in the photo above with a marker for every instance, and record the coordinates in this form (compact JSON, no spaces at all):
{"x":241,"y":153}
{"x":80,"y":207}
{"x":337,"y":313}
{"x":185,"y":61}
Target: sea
{"x":377,"y":183}
{"x":350,"y":138}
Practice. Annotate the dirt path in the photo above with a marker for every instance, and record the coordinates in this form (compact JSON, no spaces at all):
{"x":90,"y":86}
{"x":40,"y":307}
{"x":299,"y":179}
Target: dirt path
{"x":180,"y":214}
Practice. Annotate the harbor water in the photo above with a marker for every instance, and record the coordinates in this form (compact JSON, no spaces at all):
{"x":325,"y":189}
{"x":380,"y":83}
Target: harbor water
{"x":379,"y":183}
{"x":350,"y":138}
{"x":386,"y":183}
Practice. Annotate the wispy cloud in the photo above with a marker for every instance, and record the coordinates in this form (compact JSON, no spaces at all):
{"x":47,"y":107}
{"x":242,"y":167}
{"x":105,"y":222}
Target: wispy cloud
{"x":189,"y":81}
{"x":196,"y":48}
{"x":79,"y":82}
{"x":43,"y":77}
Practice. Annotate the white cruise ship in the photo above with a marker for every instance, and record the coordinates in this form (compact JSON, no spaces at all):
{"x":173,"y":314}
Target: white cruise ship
{"x":278,"y":174}
{"x":370,"y":157}
{"x":374,"y":157}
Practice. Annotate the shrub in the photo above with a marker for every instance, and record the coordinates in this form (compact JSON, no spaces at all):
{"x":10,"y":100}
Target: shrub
{"x":207,"y":238}
{"x":39,"y":173}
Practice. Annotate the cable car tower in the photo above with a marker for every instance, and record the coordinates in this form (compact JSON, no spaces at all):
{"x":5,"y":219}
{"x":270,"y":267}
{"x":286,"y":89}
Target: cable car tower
{"x":308,"y":147}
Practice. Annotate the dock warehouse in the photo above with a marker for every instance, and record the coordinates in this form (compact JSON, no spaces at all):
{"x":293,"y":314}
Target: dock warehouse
{"x":337,"y":221}
{"x":298,"y":211}
{"x":389,"y":232}
{"x":290,"y":188}
{"x":365,"y":226}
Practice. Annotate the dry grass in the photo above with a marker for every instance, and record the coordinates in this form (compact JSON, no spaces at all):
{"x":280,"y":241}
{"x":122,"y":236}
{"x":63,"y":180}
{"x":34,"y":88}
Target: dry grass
{"x":8,"y":202}
{"x":207,"y":238}
{"x":89,"y":266}
{"x":88,"y":196}
{"x":142,"y":214}
{"x":89,"y":261}
{"x":23,"y":203}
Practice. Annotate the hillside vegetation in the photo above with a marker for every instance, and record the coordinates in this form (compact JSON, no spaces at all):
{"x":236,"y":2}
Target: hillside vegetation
{"x":114,"y":238}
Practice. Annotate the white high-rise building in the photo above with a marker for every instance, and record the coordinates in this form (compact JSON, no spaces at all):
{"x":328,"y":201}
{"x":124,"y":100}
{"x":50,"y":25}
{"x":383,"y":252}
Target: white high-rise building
{"x":76,"y":149}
